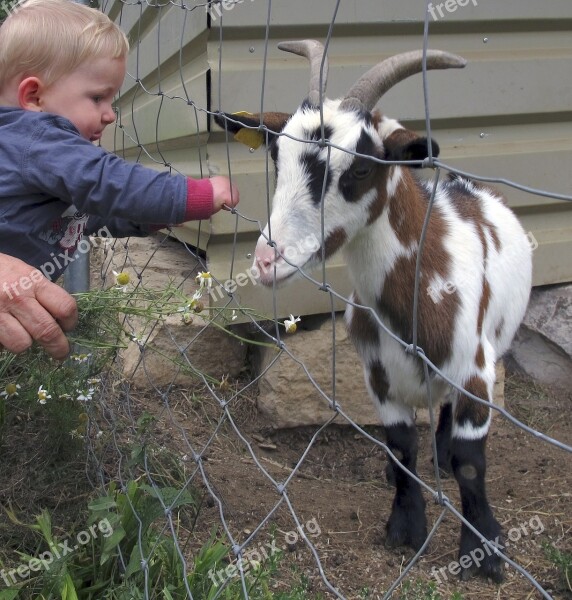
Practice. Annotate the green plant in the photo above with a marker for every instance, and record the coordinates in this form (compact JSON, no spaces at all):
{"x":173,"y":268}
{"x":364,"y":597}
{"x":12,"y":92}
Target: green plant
{"x":563,"y":562}
{"x":423,"y":590}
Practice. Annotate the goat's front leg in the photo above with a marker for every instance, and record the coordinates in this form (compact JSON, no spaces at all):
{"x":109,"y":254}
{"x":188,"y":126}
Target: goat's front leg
{"x":407,"y":524}
{"x":470,"y":428}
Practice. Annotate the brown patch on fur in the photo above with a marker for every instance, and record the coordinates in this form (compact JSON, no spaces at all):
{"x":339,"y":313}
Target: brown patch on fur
{"x":334,"y":242}
{"x":468,"y":410}
{"x":435,"y":319}
{"x":363,"y":328}
{"x":483,"y":305}
{"x":378,"y":380}
{"x":274,"y":121}
{"x":480,"y":357}
{"x":406,"y":223}
{"x":376,"y":118}
{"x":469,"y":209}
{"x":399,"y":138}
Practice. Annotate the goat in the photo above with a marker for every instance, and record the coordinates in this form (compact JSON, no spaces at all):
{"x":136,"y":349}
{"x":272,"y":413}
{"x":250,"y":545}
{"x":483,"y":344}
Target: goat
{"x":475,"y":248}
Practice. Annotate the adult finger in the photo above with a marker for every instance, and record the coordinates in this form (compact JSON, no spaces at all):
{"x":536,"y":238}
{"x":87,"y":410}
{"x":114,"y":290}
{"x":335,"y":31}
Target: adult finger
{"x":58,"y":303}
{"x":13,"y":335}
{"x":41,"y":326}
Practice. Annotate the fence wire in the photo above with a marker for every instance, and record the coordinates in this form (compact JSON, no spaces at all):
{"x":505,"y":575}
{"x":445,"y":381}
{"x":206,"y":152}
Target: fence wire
{"x":122,"y":418}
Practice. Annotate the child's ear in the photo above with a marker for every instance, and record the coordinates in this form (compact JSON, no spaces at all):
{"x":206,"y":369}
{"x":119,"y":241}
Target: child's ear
{"x":29,"y":94}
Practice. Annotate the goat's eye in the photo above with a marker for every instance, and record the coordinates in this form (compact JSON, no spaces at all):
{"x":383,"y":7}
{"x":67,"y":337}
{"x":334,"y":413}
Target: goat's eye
{"x":362,"y":172}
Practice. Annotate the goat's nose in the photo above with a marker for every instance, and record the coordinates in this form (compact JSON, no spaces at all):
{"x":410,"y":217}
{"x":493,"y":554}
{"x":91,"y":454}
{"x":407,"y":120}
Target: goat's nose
{"x":266,"y":255}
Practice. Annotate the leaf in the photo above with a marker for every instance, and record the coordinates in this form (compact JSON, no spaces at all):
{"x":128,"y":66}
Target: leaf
{"x":68,"y":590}
{"x":134,"y":562}
{"x":167,"y":594}
{"x":8,"y":594}
{"x":103,"y":503}
{"x":110,"y":544}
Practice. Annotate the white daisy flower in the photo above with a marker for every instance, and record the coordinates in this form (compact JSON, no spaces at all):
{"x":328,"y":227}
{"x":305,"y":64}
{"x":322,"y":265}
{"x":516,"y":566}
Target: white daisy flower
{"x":43,"y":395}
{"x":290,"y":324}
{"x":10,"y":391}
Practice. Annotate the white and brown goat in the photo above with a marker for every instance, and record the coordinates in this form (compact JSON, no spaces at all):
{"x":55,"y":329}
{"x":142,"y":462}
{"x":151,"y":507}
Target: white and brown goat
{"x":474,"y":283}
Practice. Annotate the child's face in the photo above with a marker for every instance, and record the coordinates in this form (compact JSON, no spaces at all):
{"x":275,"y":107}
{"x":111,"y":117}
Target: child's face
{"x":84,"y":96}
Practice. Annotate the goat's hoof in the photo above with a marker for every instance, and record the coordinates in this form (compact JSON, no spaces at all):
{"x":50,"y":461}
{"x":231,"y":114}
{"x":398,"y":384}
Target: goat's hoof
{"x":492,"y":568}
{"x":407,"y":525}
{"x":476,"y":558}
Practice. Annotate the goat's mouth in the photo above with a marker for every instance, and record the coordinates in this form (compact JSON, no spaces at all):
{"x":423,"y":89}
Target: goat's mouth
{"x":282,"y":274}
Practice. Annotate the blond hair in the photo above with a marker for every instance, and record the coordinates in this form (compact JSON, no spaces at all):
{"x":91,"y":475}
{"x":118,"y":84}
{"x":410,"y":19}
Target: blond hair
{"x":49,"y":38}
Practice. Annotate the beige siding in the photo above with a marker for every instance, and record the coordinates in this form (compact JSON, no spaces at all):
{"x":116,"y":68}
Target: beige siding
{"x":507,"y":114}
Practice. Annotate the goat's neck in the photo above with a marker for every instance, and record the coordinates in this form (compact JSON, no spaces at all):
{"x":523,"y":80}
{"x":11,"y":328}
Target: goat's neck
{"x":371,"y":255}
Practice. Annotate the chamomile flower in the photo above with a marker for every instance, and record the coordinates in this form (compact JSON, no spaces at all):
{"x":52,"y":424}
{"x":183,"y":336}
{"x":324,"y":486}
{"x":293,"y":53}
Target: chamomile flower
{"x":290,"y":324}
{"x":10,"y":391}
{"x":43,"y":395}
{"x":85,"y":396}
{"x":204,"y":279}
{"x":187,"y":318}
{"x":122,"y":280}
{"x":80,"y":358}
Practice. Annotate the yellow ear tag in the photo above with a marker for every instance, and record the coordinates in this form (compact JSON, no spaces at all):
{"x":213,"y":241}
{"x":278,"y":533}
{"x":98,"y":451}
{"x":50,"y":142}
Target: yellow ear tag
{"x":249,"y":137}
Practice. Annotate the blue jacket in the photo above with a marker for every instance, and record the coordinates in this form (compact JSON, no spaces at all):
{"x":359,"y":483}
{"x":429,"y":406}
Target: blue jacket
{"x":56,"y":186}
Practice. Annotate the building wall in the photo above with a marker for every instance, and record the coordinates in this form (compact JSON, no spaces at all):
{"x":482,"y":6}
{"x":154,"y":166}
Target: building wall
{"x":506,"y":115}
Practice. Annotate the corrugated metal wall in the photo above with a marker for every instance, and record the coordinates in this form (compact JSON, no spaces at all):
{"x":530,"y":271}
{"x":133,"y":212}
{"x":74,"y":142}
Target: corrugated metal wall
{"x":507,"y":114}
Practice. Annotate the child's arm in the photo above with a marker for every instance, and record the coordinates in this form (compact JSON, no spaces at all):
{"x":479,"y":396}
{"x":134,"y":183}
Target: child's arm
{"x":33,"y":308}
{"x":62,"y":164}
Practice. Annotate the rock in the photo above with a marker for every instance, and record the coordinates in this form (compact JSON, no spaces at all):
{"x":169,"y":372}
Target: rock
{"x":208,"y":350}
{"x":542,"y":348}
{"x":287,"y":396}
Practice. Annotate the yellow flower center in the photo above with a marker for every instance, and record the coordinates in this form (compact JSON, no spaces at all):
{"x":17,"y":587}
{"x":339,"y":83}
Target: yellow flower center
{"x":11,"y":389}
{"x":123,"y":278}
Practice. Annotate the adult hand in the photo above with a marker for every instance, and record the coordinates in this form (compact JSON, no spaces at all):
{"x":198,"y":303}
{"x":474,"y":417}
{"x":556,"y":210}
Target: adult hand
{"x":33,"y":308}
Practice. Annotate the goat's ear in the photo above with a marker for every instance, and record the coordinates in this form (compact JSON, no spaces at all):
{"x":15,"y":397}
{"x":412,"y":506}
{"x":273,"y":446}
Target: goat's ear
{"x":245,"y":126}
{"x":409,"y":149}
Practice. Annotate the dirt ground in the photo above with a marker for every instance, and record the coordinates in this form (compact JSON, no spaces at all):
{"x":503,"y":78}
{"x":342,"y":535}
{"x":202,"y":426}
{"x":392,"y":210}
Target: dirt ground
{"x":338,"y":493}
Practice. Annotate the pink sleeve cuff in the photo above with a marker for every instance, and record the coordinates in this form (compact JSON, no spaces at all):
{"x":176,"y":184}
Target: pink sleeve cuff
{"x":199,"y":199}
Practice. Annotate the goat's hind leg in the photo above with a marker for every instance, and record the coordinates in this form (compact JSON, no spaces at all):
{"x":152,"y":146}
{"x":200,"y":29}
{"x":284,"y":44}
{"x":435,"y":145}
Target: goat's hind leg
{"x":443,"y":438}
{"x":470,"y":427}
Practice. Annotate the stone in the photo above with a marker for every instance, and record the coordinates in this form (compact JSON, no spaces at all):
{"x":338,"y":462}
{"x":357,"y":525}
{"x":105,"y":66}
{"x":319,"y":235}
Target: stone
{"x":291,"y":397}
{"x":542,"y":348}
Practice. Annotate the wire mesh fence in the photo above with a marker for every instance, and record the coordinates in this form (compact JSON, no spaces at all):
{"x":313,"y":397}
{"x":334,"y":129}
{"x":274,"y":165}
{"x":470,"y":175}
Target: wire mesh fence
{"x":158,"y":416}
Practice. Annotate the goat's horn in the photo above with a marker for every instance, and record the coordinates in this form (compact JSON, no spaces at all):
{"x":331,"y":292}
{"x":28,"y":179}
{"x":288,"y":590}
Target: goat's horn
{"x":314,"y":52}
{"x":370,"y":87}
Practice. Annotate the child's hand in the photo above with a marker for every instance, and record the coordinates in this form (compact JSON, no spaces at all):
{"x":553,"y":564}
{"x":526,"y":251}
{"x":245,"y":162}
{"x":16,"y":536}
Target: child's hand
{"x":224,"y":193}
